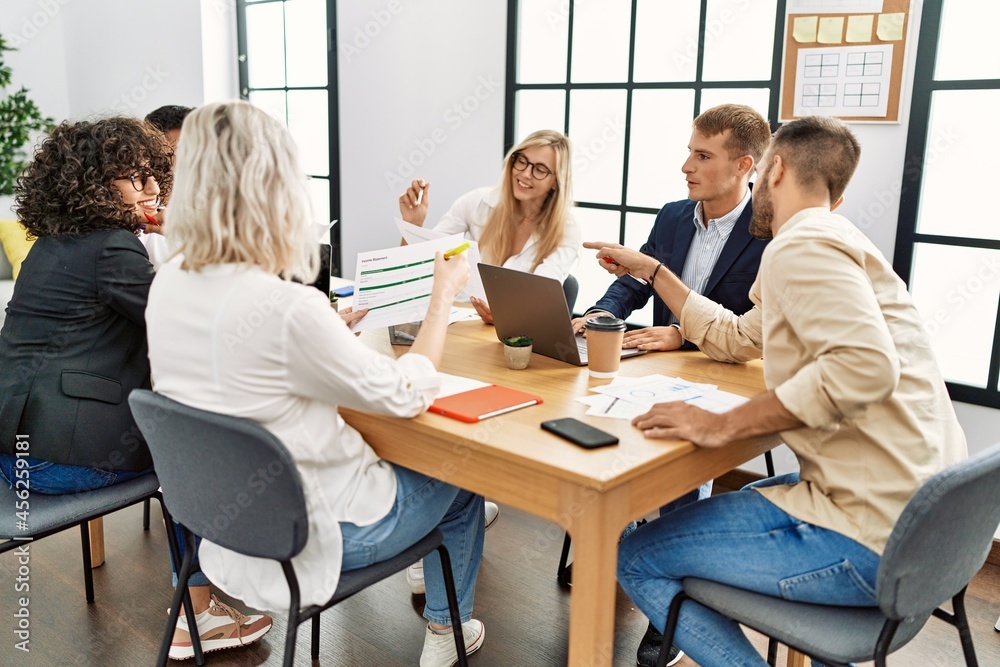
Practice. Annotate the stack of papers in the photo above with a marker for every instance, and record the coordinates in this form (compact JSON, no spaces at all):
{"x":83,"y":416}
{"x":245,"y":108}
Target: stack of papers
{"x":627,"y":398}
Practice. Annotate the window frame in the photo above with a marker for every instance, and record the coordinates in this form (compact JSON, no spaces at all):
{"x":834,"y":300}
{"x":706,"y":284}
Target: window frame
{"x":907,"y":236}
{"x":331,"y":87}
{"x":630,"y":86}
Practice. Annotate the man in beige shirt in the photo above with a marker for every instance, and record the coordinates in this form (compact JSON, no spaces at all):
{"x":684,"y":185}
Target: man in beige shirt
{"x":853,"y":388}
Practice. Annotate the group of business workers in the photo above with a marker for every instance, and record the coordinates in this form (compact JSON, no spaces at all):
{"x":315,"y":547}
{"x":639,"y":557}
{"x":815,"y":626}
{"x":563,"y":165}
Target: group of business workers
{"x":839,"y":387}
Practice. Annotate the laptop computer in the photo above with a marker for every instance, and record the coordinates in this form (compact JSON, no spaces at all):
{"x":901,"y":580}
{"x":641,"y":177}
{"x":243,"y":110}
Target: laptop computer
{"x":524,"y":304}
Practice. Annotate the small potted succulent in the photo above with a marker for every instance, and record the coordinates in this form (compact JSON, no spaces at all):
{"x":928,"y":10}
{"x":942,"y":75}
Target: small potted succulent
{"x":517,"y":351}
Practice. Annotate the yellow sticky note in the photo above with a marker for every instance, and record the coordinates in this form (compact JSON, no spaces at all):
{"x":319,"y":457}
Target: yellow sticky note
{"x":804,"y":29}
{"x":890,"y":27}
{"x":859,"y":28}
{"x":831,"y":30}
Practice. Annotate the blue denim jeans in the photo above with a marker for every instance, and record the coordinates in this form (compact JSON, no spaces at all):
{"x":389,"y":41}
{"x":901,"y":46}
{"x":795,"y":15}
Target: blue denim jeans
{"x":743,"y":540}
{"x":56,"y":479}
{"x":422,"y":503}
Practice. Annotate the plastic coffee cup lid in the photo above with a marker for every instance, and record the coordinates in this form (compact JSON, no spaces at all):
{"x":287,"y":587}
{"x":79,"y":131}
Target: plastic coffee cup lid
{"x":605,"y":323}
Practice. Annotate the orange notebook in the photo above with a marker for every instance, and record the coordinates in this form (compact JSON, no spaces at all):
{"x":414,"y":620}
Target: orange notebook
{"x":479,"y":404}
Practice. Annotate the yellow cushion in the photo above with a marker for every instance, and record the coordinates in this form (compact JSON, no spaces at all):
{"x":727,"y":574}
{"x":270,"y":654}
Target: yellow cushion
{"x":15,"y":245}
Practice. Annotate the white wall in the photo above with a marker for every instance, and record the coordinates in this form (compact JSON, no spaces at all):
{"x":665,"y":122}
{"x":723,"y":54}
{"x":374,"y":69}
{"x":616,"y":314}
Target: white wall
{"x":83,"y":58}
{"x":403,"y":71}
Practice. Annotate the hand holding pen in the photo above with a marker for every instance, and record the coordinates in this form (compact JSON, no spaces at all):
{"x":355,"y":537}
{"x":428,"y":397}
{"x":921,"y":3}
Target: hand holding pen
{"x":450,"y":278}
{"x":154,"y":224}
{"x":414,"y":202}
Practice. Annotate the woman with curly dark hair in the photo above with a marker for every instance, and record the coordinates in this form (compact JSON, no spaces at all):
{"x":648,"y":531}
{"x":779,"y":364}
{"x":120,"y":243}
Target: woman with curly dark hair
{"x":73,"y":345}
{"x":74,"y":341}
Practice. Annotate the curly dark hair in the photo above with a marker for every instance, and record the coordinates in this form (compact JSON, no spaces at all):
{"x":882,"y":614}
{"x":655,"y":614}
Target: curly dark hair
{"x":169,"y":117}
{"x":67,"y":189}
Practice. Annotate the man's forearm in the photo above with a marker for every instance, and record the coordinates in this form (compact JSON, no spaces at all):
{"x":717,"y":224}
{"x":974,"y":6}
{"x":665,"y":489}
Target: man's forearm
{"x":670,"y":289}
{"x":762,"y":415}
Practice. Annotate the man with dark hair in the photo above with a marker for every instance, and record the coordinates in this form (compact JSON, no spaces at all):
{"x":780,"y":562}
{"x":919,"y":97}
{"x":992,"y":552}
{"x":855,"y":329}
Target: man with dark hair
{"x":853,"y":389}
{"x":706,"y":240}
{"x":168,"y":120}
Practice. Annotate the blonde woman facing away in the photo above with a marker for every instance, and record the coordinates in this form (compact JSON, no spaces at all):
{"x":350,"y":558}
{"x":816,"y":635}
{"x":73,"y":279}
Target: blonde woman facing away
{"x":240,"y":217}
{"x":525,"y":223}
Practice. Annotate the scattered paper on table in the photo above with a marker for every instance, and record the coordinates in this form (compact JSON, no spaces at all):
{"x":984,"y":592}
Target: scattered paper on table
{"x":456,"y":384}
{"x":627,"y":398}
{"x":462,"y":314}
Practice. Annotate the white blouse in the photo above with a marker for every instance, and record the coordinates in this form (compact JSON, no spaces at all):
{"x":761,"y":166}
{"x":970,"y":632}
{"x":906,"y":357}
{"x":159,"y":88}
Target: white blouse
{"x":238,"y":341}
{"x":470,"y":213}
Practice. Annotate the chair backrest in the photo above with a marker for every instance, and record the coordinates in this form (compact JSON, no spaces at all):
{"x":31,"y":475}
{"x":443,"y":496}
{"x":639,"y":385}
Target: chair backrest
{"x":227,"y":479}
{"x":942,"y":537}
{"x":571,"y":287}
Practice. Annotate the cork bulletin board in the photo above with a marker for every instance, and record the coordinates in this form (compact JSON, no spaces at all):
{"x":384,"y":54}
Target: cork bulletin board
{"x":844,"y":58}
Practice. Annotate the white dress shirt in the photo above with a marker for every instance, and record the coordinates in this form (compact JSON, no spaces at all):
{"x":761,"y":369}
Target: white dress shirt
{"x":470,"y":213}
{"x":238,"y":341}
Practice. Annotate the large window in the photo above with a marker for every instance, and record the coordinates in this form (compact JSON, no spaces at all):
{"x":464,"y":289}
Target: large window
{"x":288,"y":68}
{"x":948,"y":236}
{"x":623,"y":79}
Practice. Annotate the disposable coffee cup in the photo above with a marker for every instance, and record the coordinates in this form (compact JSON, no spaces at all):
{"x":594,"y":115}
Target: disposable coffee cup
{"x":604,"y":345}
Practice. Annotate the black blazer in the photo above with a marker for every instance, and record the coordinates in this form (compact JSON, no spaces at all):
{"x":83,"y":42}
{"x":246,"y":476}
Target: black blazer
{"x":72,"y":348}
{"x":669,"y":241}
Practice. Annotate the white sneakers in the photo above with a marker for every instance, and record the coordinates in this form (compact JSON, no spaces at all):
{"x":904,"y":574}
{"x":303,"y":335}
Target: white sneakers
{"x":220,"y":626}
{"x":439,"y":650}
{"x":415,"y":578}
{"x":492,"y":512}
{"x":415,"y":573}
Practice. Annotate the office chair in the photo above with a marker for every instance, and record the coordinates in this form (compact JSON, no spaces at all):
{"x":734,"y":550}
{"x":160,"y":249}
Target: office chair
{"x":202,"y":459}
{"x":939,"y":542}
{"x":564,"y":571}
{"x":571,"y":287}
{"x":45,"y":515}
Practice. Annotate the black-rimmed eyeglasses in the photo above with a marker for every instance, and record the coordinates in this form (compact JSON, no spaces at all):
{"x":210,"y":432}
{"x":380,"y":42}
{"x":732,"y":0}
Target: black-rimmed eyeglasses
{"x":138,"y":179}
{"x":538,"y":171}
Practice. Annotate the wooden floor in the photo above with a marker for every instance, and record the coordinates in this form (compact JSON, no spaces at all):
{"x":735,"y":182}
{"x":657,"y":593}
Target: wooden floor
{"x":526,"y":613}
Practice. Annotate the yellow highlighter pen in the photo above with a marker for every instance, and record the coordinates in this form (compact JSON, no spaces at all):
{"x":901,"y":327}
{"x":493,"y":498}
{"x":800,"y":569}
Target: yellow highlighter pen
{"x":457,"y":250}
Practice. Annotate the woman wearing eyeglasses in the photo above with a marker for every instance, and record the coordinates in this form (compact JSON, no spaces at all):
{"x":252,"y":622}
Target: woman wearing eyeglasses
{"x":74,"y":342}
{"x":525,"y":223}
{"x":73,"y":345}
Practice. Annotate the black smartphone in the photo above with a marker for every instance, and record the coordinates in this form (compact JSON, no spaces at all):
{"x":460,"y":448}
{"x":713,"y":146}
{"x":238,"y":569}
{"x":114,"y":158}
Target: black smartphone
{"x":579,"y":433}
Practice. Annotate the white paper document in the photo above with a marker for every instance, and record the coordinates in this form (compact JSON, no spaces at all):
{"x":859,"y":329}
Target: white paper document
{"x":833,"y":6}
{"x":627,"y":398}
{"x":394,"y":284}
{"x":456,"y":384}
{"x":414,"y":234}
{"x":843,"y":81}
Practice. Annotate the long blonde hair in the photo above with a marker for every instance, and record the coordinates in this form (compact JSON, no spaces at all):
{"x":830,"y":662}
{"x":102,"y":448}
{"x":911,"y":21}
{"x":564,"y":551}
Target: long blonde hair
{"x":497,"y":241}
{"x":240,"y":195}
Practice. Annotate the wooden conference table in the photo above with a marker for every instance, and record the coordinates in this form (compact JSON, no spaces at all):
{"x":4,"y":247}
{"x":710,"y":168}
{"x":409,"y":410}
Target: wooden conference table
{"x":592,"y":494}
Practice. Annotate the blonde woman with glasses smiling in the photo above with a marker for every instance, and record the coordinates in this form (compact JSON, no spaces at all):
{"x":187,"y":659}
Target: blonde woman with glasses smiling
{"x":525,"y":222}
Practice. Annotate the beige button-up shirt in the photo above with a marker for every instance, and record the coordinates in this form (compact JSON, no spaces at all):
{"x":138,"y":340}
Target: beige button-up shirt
{"x":846,"y":353}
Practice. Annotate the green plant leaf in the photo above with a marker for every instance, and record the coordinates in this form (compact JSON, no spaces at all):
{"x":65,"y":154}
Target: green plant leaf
{"x":20,"y":118}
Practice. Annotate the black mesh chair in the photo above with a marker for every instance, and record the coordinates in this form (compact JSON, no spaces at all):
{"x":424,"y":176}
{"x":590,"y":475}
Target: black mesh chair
{"x":43,"y":515}
{"x":204,"y":461}
{"x":939,"y":543}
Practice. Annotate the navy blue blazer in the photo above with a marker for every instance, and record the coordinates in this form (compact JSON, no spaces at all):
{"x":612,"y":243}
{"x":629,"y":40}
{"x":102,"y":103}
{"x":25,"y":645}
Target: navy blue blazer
{"x":669,"y":241}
